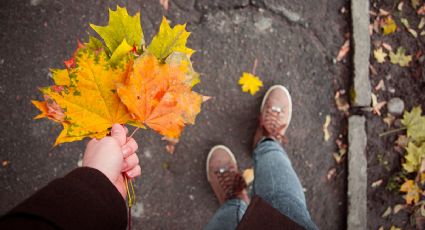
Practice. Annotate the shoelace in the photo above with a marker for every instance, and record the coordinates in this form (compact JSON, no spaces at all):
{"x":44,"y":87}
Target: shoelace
{"x":273,"y":124}
{"x":231,"y":182}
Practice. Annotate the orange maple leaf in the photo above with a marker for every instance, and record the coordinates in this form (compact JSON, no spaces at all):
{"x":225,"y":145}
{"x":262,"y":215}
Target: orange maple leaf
{"x":160,"y":96}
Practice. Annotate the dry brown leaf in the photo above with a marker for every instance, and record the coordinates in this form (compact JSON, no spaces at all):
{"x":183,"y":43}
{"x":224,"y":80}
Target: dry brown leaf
{"x":373,"y":70}
{"x":377,"y":183}
{"x":171,"y":144}
{"x":389,"y":120}
{"x":421,"y":10}
{"x":380,"y":85}
{"x":402,"y":141}
{"x":331,"y":174}
{"x":383,"y":12}
{"x":387,"y":46}
{"x":343,"y":51}
{"x":341,"y":103}
{"x":5,"y":163}
{"x":387,"y":212}
{"x":378,"y":107}
{"x":370,"y":29}
{"x":398,"y":207}
{"x":400,"y":6}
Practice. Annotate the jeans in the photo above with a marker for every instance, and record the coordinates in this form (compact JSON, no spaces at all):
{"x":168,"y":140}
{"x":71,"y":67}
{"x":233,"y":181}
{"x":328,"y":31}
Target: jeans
{"x":276,"y":182}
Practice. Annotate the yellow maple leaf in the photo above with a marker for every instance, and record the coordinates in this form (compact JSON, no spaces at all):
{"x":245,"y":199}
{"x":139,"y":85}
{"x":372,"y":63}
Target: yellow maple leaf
{"x":400,"y":57}
{"x":91,"y":106}
{"x":379,"y":55}
{"x":159,"y":96}
{"x":415,"y":124}
{"x":412,"y":192}
{"x":169,"y":40}
{"x":388,"y":25}
{"x":250,"y":83}
{"x":60,"y":76}
{"x":414,"y":157}
{"x":50,"y":109}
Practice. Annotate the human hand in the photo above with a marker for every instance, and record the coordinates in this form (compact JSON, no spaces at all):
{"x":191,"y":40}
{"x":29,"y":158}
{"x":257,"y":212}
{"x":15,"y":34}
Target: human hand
{"x":114,"y":156}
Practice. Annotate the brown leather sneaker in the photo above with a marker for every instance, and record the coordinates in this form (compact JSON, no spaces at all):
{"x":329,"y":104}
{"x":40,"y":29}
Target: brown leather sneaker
{"x":223,"y":175}
{"x":275,"y":115}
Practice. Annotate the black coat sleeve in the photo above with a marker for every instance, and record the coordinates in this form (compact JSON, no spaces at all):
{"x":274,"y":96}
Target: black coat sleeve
{"x":83,"y":199}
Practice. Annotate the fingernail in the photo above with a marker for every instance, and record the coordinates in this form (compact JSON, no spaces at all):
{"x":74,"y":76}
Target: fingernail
{"x":126,"y":150}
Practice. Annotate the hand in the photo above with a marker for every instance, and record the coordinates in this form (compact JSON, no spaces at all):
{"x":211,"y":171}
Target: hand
{"x":114,"y":155}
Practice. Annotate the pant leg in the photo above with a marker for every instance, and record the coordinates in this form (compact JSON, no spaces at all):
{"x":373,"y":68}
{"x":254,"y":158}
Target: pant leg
{"x":228,"y":215}
{"x":277,"y":183}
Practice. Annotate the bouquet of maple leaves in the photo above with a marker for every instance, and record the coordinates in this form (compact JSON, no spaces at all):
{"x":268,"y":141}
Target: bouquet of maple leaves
{"x":121,"y":80}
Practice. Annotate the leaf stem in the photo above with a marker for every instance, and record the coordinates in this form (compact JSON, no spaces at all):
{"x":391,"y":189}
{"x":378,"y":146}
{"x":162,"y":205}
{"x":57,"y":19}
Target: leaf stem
{"x":392,"y":131}
{"x":134,"y":131}
{"x":254,"y":67}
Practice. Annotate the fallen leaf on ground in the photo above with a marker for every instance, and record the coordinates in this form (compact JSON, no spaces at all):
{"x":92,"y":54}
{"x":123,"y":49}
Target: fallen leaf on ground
{"x":398,"y":207}
{"x":380,"y":85}
{"x":400,"y":6}
{"x":421,"y":10}
{"x":250,"y":83}
{"x":383,"y":12}
{"x":171,"y":144}
{"x":379,"y":55}
{"x":421,"y":23}
{"x":402,"y":141}
{"x":388,"y":25}
{"x":387,"y":46}
{"x":331,"y":174}
{"x":326,"y":134}
{"x":377,"y":183}
{"x":341,"y":103}
{"x":373,"y":70}
{"x":164,"y":4}
{"x":387,"y":212}
{"x":381,"y":228}
{"x":394,"y":228}
{"x":343,"y":51}
{"x":413,"y":157}
{"x":400,"y":58}
{"x":4,"y":163}
{"x":415,"y":3}
{"x":377,"y":106}
{"x":389,"y":120}
{"x":248,"y":175}
{"x":412,"y":192}
{"x":415,"y":124}
{"x":407,"y":26}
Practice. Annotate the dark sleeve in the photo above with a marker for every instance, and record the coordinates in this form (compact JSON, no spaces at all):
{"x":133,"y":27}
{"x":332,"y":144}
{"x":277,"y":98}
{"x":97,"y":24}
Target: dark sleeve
{"x":83,"y":199}
{"x":261,"y":215}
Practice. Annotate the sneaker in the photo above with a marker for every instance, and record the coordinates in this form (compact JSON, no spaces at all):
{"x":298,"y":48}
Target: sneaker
{"x":275,"y":115}
{"x":224,"y":176}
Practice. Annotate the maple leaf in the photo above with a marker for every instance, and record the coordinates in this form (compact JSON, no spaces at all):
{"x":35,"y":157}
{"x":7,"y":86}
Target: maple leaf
{"x":169,"y":40}
{"x":182,"y":61}
{"x":379,"y":55}
{"x":50,"y":109}
{"x":400,"y":57}
{"x":121,"y":26}
{"x":159,"y":96}
{"x":412,"y":190}
{"x":91,"y":106}
{"x":60,"y":76}
{"x":120,"y":52}
{"x":388,"y":25}
{"x":413,"y":157}
{"x":415,"y":124}
{"x":250,"y":83}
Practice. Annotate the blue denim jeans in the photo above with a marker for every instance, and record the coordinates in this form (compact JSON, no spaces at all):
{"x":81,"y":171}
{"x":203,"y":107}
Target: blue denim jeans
{"x":276,"y":182}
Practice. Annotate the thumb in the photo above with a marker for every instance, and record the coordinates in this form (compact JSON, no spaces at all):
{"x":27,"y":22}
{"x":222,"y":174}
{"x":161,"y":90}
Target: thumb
{"x":118,"y":132}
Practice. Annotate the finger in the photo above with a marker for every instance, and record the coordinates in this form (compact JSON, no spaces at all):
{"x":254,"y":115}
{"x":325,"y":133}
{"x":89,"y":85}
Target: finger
{"x":118,"y":133}
{"x":134,"y":172}
{"x":130,"y":162}
{"x":130,"y":147}
{"x":126,"y":130}
{"x":92,"y":142}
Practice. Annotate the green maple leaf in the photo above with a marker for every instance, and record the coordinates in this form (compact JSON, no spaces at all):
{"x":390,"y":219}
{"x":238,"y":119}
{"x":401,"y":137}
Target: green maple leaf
{"x":413,"y":157}
{"x":415,"y":124}
{"x":169,"y":40}
{"x":121,"y":26}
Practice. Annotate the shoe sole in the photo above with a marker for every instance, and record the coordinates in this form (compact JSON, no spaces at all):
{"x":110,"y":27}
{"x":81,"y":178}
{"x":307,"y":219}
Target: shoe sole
{"x":232,"y":156}
{"x":287,"y":94}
